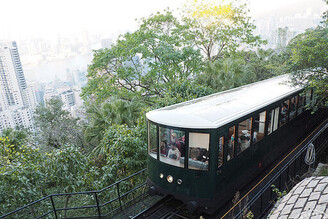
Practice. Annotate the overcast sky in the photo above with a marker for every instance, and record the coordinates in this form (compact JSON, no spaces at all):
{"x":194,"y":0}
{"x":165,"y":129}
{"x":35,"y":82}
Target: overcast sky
{"x":48,"y":18}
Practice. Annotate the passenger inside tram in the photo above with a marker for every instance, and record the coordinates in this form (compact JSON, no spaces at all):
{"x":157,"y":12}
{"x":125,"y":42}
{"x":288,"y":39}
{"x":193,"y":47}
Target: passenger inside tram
{"x":164,"y":148}
{"x":174,"y":152}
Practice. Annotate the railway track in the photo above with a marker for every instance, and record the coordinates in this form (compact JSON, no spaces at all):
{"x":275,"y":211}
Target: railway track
{"x":167,"y":207}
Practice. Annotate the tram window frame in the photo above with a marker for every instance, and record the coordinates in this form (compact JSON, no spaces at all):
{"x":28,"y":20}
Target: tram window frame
{"x":152,"y":146}
{"x":259,"y":124}
{"x":284,"y":112}
{"x":273,"y":120}
{"x":199,"y":141}
{"x":308,"y":98}
{"x":300,"y":104}
{"x":221,"y":151}
{"x":244,"y":135}
{"x":231,"y":142}
{"x":293,"y":108}
{"x":173,"y":137}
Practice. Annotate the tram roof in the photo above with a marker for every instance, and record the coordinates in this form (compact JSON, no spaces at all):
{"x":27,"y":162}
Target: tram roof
{"x":221,"y":108}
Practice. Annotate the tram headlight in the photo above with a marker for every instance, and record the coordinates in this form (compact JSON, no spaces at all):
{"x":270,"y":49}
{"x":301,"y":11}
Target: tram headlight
{"x":179,"y":181}
{"x":161,"y":175}
{"x":169,"y":178}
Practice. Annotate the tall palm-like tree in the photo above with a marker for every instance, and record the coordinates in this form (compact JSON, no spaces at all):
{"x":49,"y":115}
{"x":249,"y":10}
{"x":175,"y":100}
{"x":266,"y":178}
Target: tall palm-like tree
{"x":227,"y":73}
{"x":115,"y":111}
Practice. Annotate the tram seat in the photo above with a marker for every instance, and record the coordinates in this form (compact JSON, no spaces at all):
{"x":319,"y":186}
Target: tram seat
{"x":259,"y":136}
{"x":195,"y":163}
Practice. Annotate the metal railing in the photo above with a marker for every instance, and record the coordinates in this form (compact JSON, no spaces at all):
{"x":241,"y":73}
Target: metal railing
{"x":103,"y":203}
{"x":258,"y":202}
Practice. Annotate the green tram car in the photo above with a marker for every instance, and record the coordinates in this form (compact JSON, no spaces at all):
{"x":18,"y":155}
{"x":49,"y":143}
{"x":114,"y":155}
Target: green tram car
{"x":204,"y":150}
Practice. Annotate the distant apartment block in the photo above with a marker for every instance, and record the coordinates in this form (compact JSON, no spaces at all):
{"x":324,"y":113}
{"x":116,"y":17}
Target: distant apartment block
{"x":17,"y":99}
{"x":71,"y":97}
{"x":68,"y":98}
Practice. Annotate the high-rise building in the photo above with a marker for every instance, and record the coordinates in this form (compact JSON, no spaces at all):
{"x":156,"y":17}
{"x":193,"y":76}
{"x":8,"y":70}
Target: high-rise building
{"x":17,"y":100}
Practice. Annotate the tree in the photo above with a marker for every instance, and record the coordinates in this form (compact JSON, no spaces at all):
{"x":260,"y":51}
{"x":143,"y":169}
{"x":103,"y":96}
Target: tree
{"x":145,"y":63}
{"x":227,"y":73}
{"x":309,"y":62}
{"x":28,"y":174}
{"x":17,"y":136}
{"x":56,"y":127}
{"x":113,"y":111}
{"x":124,"y":149}
{"x":265,"y":63}
{"x":220,"y":27}
{"x":21,"y":176}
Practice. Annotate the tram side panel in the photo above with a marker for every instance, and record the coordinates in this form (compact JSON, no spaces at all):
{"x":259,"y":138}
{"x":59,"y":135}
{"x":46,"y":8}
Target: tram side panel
{"x":238,"y":171}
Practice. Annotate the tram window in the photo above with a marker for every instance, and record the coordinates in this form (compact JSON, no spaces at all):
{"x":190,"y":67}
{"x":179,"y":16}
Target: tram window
{"x":259,"y":125}
{"x":199,"y":151}
{"x":270,"y":121}
{"x":172,"y":146}
{"x":152,"y":140}
{"x":284,"y":110}
{"x":276,"y":117}
{"x":273,"y":120}
{"x":244,"y":135}
{"x":300,"y":104}
{"x":293,"y":105}
{"x":231,"y":143}
{"x":220,"y":149}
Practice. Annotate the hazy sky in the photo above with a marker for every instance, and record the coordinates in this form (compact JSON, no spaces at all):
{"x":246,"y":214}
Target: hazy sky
{"x":48,"y":18}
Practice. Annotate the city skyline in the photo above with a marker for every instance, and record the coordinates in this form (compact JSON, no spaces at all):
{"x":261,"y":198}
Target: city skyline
{"x":51,"y":33}
{"x":50,"y":19}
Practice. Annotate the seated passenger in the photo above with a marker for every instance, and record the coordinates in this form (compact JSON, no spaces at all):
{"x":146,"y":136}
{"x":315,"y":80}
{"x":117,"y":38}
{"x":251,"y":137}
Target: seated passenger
{"x":254,"y":137}
{"x":180,"y":142}
{"x":194,"y":153}
{"x":174,"y":152}
{"x":164,"y":148}
{"x":203,"y":155}
{"x":245,"y":142}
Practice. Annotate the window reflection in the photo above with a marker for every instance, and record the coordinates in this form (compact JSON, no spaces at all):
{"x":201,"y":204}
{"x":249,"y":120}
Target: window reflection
{"x":152,"y":140}
{"x":300,"y":105}
{"x":259,"y":125}
{"x":231,"y":143}
{"x":273,"y":120}
{"x":198,"y":151}
{"x":244,"y":135}
{"x":284,"y":110}
{"x":293,"y":107}
{"x":220,"y":157}
{"x":308,"y":97}
{"x":172,"y":146}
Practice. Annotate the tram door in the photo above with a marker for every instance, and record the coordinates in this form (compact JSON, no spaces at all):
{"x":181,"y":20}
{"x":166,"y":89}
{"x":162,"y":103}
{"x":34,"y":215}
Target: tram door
{"x":226,"y":151}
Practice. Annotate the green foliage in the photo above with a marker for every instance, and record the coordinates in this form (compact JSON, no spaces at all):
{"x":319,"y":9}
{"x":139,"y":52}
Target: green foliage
{"x":249,"y":215}
{"x":278,"y":192}
{"x":323,"y":171}
{"x":56,"y":127}
{"x":309,"y":50}
{"x":309,"y":63}
{"x":124,"y":149}
{"x":265,"y":63}
{"x":114,"y":111}
{"x":21,"y":175}
{"x":26,"y":174}
{"x":220,"y":27}
{"x":183,"y":90}
{"x":145,"y":63}
{"x":66,"y":170}
{"x":227,"y":73}
{"x":17,"y":136}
